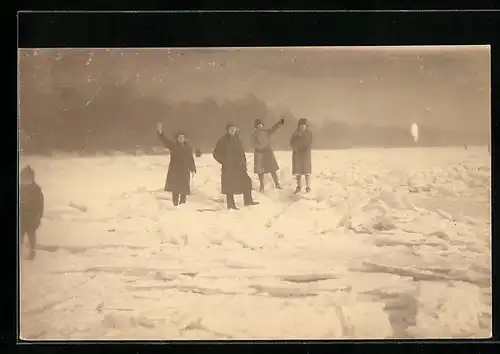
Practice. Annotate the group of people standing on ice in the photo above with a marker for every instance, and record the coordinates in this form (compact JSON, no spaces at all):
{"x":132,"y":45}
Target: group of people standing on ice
{"x":230,"y":153}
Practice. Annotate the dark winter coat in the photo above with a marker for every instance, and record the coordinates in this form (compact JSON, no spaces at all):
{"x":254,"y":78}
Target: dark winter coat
{"x":229,"y":152}
{"x":180,"y":167}
{"x":264,"y":160}
{"x":301,"y":143}
{"x":31,"y":207}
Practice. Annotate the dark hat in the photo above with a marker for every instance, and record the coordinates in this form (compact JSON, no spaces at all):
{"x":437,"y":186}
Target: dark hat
{"x":257,"y":122}
{"x":27,"y":171}
{"x":180,"y":133}
{"x":302,"y":121}
{"x":230,"y":124}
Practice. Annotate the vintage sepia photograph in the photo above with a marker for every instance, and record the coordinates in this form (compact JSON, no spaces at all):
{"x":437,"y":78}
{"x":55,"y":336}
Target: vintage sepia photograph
{"x":255,"y":193}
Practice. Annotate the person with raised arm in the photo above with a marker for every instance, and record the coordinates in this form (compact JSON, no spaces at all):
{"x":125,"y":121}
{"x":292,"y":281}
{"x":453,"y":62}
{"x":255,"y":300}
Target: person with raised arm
{"x":181,"y":166}
{"x":264,"y":160}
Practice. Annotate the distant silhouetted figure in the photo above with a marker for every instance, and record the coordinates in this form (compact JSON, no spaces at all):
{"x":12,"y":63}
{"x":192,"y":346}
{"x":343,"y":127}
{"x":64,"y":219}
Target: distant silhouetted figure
{"x":31,"y":208}
{"x":414,"y":133}
{"x":198,"y":153}
{"x":301,"y":143}
{"x":465,"y":146}
{"x":264,"y":159}
{"x":229,"y":152}
{"x":181,"y":166}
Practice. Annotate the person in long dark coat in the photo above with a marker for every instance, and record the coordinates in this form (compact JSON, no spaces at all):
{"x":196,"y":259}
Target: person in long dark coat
{"x":301,"y":143}
{"x":31,"y":208}
{"x":264,"y":159}
{"x":229,"y":152}
{"x":181,"y":166}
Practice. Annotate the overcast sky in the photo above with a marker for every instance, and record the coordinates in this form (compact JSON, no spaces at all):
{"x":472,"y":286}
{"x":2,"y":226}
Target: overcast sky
{"x":446,"y":86}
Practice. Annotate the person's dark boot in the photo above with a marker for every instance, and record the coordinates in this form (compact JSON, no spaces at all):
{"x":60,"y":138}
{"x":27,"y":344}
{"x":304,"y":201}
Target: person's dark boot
{"x":308,"y":183}
{"x":175,"y":199}
{"x":231,"y":205}
{"x":261,"y":180}
{"x":182,"y":199}
{"x":299,"y":184}
{"x":277,"y":184}
{"x":248,"y":200}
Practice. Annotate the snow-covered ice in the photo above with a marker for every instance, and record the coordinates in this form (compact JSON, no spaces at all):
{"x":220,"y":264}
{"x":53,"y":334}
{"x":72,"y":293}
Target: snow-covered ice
{"x":390,"y":243}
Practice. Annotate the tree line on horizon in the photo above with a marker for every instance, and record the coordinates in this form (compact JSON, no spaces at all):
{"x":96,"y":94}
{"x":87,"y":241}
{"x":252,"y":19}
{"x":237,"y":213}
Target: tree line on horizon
{"x":120,"y":119}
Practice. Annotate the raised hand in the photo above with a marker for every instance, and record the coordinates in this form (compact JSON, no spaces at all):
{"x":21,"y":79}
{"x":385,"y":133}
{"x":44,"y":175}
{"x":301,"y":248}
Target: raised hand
{"x":159,"y":127}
